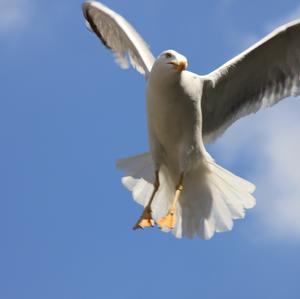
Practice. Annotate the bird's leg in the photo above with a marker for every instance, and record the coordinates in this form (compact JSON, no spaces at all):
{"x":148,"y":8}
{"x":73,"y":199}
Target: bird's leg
{"x":169,"y":220}
{"x":146,"y":218}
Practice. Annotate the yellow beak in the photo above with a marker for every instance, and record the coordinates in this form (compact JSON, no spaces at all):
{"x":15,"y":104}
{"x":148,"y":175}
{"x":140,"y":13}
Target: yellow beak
{"x":180,"y":66}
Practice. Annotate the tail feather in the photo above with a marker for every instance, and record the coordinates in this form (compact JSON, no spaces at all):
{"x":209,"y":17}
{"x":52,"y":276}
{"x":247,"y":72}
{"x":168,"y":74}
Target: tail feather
{"x":212,"y":201}
{"x":212,"y":198}
{"x":139,"y":176}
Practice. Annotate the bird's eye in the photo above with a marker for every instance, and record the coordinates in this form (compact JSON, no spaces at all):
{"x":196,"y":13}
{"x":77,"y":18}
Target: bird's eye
{"x":168,"y":55}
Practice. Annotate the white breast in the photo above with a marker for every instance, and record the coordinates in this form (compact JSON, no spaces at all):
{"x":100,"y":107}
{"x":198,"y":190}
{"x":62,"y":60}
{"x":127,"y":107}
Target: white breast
{"x":174,"y":119}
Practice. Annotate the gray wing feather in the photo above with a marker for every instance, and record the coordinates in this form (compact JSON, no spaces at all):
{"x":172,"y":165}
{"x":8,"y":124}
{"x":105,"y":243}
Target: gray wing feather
{"x":259,"y":77}
{"x":118,"y":36}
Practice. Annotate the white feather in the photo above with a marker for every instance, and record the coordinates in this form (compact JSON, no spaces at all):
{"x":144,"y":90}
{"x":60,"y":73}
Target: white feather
{"x":118,"y":35}
{"x":211,"y":199}
{"x":259,"y":77}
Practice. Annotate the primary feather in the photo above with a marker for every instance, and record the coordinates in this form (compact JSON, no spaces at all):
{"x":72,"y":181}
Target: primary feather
{"x":259,"y":77}
{"x":119,"y":36}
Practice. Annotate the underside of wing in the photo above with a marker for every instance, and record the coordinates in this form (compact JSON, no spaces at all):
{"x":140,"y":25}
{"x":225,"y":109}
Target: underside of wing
{"x":118,"y":36}
{"x":259,"y":77}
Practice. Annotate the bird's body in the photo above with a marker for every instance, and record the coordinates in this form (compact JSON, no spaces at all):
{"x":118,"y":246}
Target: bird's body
{"x":179,"y":156}
{"x":174,"y":120}
{"x":179,"y":184}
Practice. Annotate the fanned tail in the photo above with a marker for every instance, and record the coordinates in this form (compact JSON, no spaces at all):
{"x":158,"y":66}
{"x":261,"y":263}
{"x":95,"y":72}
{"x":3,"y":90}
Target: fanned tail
{"x":212,"y":197}
{"x":211,"y":200}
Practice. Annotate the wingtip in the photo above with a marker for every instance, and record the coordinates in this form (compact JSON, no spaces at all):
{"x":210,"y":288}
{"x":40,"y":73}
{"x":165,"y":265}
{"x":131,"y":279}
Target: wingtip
{"x":84,"y":7}
{"x":86,"y":4}
{"x":95,"y":4}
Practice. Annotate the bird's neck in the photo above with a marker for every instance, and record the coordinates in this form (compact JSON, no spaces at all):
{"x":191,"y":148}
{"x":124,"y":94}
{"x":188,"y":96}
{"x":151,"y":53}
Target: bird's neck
{"x":164,"y":79}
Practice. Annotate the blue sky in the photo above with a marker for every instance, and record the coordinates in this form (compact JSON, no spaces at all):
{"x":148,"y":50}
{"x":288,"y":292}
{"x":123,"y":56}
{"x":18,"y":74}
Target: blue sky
{"x":67,"y":112}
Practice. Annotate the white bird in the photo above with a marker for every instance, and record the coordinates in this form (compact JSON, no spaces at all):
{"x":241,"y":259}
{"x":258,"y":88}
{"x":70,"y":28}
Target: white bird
{"x":180,"y":186}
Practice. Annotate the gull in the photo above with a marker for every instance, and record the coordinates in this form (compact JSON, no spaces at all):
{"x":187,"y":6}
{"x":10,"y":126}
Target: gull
{"x":180,"y":186}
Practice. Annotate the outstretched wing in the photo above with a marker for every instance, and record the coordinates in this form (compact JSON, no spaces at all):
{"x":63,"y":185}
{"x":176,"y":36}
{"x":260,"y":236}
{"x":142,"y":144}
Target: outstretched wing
{"x":259,"y":77}
{"x":118,"y":36}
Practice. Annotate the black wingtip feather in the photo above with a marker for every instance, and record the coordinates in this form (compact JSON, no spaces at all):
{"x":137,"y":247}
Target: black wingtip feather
{"x":95,"y":29}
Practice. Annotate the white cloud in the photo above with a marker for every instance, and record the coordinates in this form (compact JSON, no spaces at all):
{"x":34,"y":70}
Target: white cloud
{"x":280,"y":193}
{"x":14,"y":15}
{"x":271,"y":138}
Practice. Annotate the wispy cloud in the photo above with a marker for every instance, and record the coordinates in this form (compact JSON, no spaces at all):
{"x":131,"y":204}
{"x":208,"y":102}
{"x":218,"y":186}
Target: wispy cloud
{"x":271,"y":143}
{"x":280,"y":195}
{"x":14,"y":15}
{"x":271,"y":140}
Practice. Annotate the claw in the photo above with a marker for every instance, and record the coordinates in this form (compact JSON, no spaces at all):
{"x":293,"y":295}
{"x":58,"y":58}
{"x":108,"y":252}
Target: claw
{"x":168,"y":221}
{"x":145,"y":220}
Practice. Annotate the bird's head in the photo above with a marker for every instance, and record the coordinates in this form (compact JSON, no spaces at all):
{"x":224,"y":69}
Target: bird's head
{"x":170,"y":62}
